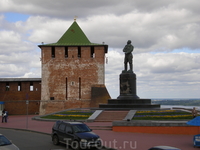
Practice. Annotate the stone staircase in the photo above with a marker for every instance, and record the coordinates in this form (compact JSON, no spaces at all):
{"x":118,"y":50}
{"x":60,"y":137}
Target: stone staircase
{"x":109,"y":116}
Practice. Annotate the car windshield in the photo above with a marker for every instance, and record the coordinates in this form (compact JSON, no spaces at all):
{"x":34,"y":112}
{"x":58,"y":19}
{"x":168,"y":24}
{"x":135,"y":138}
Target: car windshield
{"x":4,"y":141}
{"x":81,"y":128}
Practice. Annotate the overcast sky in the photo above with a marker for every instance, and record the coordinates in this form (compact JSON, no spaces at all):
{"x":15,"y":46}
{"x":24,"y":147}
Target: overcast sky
{"x":165,"y":35}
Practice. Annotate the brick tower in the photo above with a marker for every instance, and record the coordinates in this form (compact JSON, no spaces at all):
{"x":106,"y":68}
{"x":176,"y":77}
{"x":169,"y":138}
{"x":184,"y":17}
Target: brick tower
{"x":73,"y":73}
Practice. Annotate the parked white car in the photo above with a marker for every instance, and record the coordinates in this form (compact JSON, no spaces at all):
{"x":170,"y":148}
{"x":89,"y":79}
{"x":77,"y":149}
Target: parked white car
{"x":164,"y":148}
{"x":6,"y":144}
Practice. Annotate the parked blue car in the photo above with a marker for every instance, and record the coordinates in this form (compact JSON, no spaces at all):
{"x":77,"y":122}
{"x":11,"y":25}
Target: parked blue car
{"x":196,"y":140}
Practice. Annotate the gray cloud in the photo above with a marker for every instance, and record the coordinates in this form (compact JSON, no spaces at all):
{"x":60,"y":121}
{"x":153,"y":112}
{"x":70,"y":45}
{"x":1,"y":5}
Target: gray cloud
{"x":157,"y":29}
{"x":158,"y":74}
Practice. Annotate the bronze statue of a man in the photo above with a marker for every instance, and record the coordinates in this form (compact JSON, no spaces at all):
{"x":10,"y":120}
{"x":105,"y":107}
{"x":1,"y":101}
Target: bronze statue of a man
{"x":128,"y":56}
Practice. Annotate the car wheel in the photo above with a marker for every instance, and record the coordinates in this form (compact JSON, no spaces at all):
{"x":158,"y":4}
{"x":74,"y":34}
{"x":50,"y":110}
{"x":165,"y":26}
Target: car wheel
{"x":75,"y":145}
{"x":99,"y":146}
{"x":55,"y":140}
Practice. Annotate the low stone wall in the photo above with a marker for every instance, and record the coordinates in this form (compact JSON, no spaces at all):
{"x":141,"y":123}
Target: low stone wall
{"x":159,"y":127}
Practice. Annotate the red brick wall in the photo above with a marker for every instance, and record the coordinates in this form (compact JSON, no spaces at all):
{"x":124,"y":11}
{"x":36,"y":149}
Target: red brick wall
{"x":56,"y":70}
{"x":20,"y":107}
{"x":15,"y":101}
{"x":55,"y":106}
{"x":71,"y":78}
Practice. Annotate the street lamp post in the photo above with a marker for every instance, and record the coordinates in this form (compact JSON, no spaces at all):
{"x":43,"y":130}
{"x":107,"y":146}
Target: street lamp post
{"x":27,"y":102}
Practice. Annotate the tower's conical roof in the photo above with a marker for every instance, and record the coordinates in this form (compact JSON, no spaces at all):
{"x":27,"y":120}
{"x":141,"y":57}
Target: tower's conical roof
{"x":74,"y":36}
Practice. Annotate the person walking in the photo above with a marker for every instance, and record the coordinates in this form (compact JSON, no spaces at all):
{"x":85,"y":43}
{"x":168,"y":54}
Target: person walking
{"x":194,"y":112}
{"x":4,"y":115}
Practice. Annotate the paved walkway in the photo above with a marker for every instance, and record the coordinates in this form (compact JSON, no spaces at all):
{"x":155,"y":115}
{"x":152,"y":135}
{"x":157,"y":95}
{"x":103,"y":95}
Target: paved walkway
{"x":117,"y":140}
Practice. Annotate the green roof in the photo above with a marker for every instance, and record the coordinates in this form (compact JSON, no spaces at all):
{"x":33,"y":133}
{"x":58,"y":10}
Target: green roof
{"x":74,"y":36}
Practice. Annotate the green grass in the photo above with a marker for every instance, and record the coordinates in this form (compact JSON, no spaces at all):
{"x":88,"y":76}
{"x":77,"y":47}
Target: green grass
{"x":140,"y":115}
{"x":71,"y":115}
{"x":162,"y":115}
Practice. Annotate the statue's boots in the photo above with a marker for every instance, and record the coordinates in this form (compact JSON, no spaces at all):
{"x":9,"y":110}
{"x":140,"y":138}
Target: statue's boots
{"x":131,"y":68}
{"x":125,"y":67}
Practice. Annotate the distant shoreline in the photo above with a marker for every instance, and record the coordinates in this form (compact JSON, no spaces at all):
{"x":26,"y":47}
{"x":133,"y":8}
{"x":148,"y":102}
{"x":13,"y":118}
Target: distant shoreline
{"x":179,"y":106}
{"x":189,"y":103}
{"x":174,"y":99}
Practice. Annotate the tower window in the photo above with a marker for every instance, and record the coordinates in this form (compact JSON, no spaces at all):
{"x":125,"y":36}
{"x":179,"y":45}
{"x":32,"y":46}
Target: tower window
{"x":79,"y":52}
{"x":53,"y":52}
{"x":79,"y":88}
{"x":92,"y":52}
{"x":19,"y":86}
{"x":66,"y":88}
{"x":66,"y":51}
{"x":7,"y":86}
{"x":31,"y":86}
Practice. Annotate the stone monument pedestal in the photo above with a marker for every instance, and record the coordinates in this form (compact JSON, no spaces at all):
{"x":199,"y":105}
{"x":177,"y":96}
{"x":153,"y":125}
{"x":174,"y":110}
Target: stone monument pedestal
{"x":128,"y":98}
{"x":116,"y":104}
{"x":127,"y":86}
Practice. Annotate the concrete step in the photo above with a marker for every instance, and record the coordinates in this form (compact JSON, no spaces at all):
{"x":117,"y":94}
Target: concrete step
{"x":109,"y":116}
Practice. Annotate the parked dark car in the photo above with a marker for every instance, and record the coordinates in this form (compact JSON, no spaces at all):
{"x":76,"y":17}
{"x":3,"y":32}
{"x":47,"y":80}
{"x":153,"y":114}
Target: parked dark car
{"x":164,"y":148}
{"x":76,"y":134}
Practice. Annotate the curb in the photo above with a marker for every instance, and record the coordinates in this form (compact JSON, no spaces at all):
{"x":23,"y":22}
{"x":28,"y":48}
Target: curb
{"x":27,"y":130}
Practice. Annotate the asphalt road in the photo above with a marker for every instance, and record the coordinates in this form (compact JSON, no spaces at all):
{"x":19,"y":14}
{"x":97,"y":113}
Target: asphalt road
{"x":26,"y":140}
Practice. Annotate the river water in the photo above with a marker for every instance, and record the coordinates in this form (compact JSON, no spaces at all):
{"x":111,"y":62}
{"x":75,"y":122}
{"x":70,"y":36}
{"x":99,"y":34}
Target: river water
{"x":180,"y":106}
